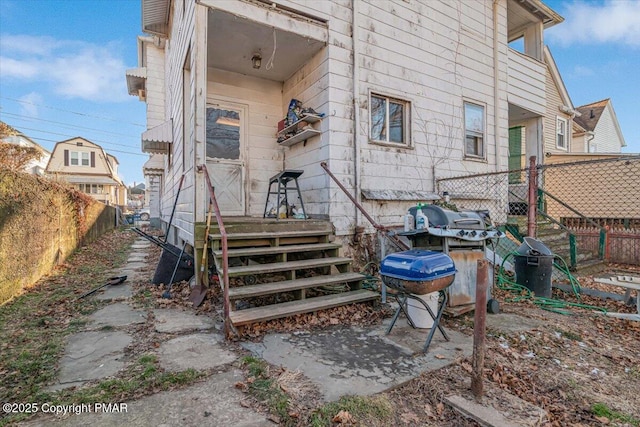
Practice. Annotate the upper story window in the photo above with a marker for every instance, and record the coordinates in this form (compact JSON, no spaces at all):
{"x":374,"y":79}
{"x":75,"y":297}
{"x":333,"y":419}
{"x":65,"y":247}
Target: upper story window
{"x":561,"y":133}
{"x":474,"y":124}
{"x":79,"y":158}
{"x":389,"y":120}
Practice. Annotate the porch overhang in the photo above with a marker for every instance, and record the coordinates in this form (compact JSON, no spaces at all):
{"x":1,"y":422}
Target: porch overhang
{"x":155,"y":17}
{"x":158,"y":140}
{"x":84,"y":179}
{"x":284,"y":39}
{"x":136,"y":82}
{"x":154,"y":166}
{"x":521,"y":14}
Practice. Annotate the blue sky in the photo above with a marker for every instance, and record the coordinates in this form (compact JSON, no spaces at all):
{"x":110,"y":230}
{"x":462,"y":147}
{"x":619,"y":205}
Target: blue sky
{"x":63,"y":62}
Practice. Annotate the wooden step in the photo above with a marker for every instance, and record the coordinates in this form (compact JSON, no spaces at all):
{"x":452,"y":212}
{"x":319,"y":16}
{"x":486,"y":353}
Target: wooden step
{"x":276,"y":311}
{"x":245,"y":270}
{"x":263,"y":235}
{"x":275,"y":250}
{"x":292,"y":285}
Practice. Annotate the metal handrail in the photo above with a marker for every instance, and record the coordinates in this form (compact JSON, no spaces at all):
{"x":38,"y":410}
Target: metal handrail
{"x":225,"y":250}
{"x":384,"y":230}
{"x":572,"y":237}
{"x":603,"y":230}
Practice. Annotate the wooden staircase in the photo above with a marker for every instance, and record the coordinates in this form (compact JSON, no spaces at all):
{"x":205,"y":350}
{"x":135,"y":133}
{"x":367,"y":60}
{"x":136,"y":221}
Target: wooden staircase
{"x":279,"y":268}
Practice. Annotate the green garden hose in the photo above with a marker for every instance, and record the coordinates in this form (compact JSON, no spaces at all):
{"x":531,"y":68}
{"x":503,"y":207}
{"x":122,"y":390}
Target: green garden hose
{"x":550,"y":304}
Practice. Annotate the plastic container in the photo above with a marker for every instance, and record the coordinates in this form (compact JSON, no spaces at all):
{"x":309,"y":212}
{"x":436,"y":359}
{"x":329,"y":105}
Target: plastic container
{"x":409,"y":222}
{"x":419,"y":315}
{"x":421,"y":219}
{"x":533,"y":247}
{"x":534,"y":273}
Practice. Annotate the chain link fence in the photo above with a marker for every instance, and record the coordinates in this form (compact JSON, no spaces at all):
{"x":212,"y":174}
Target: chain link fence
{"x":596,"y":196}
{"x":596,"y":203}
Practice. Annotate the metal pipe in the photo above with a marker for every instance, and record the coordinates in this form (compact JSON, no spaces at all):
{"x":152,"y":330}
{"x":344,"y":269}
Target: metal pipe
{"x":496,"y":82}
{"x":533,"y":192}
{"x":225,"y":251}
{"x":479,"y":328}
{"x":377,"y":226}
{"x":356,"y":103}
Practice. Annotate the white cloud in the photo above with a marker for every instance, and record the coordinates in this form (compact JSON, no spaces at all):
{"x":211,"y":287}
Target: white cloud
{"x":589,"y":23}
{"x":582,"y":71}
{"x":29,"y":104}
{"x":71,"y":68}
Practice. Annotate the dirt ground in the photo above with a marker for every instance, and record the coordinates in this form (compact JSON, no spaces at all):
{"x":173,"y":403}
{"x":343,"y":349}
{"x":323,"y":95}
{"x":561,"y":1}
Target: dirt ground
{"x":582,"y":368}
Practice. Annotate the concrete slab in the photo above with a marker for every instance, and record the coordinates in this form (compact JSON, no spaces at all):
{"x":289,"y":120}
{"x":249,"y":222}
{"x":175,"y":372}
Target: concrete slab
{"x":356,"y":360}
{"x":170,"y":320}
{"x":197,"y":351}
{"x":137,"y":257}
{"x":509,"y":322}
{"x":138,"y":265}
{"x":514,"y":412}
{"x":215,"y":402}
{"x":90,"y":356}
{"x":141,"y":244}
{"x":116,"y":315}
{"x":117,"y":292}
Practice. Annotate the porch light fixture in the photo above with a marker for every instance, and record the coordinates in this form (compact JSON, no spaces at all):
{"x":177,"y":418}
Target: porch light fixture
{"x":256,"y":60}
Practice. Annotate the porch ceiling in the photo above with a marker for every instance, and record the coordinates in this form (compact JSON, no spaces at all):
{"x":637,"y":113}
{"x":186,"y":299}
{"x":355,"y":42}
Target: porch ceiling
{"x":233,"y":41}
{"x":523,"y":13}
{"x":517,"y":113}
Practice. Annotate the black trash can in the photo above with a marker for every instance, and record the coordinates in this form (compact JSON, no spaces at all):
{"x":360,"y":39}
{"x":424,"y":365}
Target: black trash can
{"x":167,"y":264}
{"x":534,"y":273}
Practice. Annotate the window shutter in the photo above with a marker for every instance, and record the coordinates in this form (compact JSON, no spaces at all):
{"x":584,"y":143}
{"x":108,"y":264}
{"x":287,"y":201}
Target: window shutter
{"x":93,"y":159}
{"x":66,"y":157}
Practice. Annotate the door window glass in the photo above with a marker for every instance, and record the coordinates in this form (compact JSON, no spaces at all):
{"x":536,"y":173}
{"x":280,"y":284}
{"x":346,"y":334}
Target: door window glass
{"x":223,"y":134}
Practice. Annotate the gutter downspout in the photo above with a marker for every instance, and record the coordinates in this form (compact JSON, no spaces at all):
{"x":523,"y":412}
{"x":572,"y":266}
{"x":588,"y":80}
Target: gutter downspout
{"x":591,"y":136}
{"x":356,"y":109}
{"x":496,"y":81}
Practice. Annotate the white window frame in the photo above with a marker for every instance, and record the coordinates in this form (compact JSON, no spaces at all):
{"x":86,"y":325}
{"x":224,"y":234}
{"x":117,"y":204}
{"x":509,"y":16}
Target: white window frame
{"x":480,"y":136}
{"x":79,"y":158}
{"x":406,"y":120}
{"x":562,"y":121}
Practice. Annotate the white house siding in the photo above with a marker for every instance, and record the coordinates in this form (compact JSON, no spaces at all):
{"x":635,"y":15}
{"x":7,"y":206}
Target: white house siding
{"x":553,"y":104}
{"x":435,"y":55}
{"x":526,"y":82}
{"x":154,"y":86}
{"x":606,"y":138}
{"x":181,"y":39}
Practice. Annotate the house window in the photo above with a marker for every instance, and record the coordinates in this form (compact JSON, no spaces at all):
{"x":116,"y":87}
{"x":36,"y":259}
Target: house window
{"x":474,"y":130}
{"x":79,"y":158}
{"x":561,"y":133}
{"x":389,"y":120}
{"x":91,"y":188}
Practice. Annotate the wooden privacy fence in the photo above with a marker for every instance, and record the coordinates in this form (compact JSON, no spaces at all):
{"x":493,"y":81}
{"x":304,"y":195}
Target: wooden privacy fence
{"x":621,"y":245}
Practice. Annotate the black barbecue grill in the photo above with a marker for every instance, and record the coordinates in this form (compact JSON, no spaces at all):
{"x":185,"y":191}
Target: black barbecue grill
{"x":462,"y":236}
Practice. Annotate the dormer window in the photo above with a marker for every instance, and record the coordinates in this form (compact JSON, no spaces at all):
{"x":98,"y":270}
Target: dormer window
{"x":79,"y":158}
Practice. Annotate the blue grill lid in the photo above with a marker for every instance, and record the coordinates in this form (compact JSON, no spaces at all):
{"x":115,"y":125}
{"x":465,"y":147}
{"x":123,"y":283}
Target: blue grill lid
{"x":417,"y":265}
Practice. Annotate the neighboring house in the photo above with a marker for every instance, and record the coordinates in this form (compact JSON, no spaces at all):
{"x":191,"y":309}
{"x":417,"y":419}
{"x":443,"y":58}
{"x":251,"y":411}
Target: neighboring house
{"x":153,"y":171}
{"x":36,"y":166}
{"x":89,"y":168}
{"x":411,"y":91}
{"x":601,"y":131}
